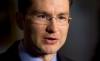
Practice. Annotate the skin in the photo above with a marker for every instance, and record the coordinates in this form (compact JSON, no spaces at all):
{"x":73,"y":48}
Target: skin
{"x":34,"y":33}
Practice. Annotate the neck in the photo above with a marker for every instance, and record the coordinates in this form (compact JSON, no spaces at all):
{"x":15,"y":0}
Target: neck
{"x":48,"y":57}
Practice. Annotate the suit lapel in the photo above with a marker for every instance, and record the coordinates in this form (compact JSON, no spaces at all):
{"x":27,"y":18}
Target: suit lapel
{"x":61,"y":57}
{"x":12,"y":53}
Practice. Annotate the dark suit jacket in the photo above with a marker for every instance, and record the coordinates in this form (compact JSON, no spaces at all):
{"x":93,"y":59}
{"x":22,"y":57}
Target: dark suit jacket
{"x":12,"y":54}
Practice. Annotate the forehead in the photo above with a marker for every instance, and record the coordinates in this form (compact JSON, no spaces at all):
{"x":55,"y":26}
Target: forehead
{"x":50,"y":1}
{"x":51,"y":6}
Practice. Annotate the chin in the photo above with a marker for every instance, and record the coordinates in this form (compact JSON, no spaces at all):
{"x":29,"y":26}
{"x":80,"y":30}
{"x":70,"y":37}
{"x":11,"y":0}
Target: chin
{"x":50,"y":51}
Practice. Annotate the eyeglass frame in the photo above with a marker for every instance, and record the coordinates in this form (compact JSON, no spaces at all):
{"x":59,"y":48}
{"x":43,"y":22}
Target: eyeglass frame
{"x":35,"y":14}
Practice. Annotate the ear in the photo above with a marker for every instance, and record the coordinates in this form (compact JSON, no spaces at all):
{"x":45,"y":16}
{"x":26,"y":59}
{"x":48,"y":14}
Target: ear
{"x":20,"y":20}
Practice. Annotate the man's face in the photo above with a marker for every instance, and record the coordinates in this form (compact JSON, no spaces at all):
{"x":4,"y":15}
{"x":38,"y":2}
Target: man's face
{"x":46,"y":24}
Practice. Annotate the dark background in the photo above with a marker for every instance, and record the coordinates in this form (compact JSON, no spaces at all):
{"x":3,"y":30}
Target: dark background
{"x":83,"y":34}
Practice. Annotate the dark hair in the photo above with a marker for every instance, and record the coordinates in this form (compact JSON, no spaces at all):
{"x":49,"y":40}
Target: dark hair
{"x":23,"y":5}
{"x":70,"y":2}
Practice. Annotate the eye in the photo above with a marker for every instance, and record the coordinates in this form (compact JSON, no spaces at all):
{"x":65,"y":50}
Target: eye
{"x":62,"y":17}
{"x":41,"y":16}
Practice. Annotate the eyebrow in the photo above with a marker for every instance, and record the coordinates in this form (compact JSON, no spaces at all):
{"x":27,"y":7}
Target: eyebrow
{"x":67,"y":14}
{"x":39,"y":12}
{"x":46,"y":13}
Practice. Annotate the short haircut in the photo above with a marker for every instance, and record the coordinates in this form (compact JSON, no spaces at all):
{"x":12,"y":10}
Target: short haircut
{"x":23,"y":5}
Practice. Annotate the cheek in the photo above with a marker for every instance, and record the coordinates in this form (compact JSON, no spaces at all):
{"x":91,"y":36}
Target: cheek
{"x":64,"y":30}
{"x":63,"y":33}
{"x":38,"y":31}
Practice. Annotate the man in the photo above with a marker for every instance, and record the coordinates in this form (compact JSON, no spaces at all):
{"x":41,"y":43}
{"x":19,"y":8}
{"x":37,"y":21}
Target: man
{"x":45,"y":24}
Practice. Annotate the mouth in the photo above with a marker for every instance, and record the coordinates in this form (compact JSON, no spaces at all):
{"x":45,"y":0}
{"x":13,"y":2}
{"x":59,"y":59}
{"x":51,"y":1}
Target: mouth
{"x":50,"y":40}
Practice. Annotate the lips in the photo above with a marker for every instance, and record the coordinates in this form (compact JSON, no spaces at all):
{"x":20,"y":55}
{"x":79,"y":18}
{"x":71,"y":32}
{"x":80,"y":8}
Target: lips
{"x":50,"y":40}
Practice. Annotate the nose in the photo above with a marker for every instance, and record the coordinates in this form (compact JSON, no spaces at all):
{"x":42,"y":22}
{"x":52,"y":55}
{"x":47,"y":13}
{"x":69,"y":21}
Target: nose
{"x":52,"y":26}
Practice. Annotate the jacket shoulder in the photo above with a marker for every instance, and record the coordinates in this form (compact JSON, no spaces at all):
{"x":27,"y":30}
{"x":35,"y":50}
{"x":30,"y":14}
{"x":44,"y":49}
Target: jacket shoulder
{"x":62,"y":57}
{"x":11,"y":54}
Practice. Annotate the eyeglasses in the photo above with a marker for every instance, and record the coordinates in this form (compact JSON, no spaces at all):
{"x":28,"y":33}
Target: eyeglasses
{"x":43,"y":19}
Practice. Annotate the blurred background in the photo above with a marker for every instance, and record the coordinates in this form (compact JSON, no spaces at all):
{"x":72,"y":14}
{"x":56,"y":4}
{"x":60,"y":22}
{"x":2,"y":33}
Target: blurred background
{"x":7,"y":23}
{"x":83,"y":33}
